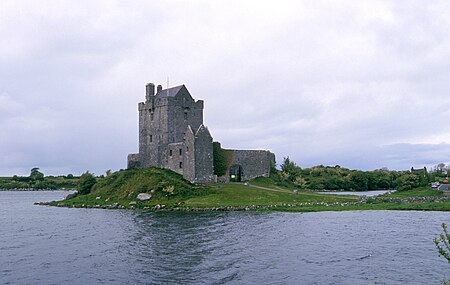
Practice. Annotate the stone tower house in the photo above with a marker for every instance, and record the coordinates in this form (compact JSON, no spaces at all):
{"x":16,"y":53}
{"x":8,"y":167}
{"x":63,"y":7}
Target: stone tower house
{"x":172,"y":134}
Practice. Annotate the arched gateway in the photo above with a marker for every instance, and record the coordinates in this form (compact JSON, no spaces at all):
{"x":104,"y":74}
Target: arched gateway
{"x":236,"y":173}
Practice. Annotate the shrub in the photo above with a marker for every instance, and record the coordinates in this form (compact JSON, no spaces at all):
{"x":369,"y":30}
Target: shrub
{"x":85,"y":183}
{"x":222,"y":159}
{"x":443,"y":243}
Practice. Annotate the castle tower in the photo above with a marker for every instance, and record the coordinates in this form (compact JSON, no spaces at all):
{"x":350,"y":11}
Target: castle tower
{"x":165,"y":118}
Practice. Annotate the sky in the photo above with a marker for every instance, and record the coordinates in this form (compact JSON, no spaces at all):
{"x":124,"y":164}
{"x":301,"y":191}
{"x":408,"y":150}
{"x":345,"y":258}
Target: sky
{"x":361,"y":84}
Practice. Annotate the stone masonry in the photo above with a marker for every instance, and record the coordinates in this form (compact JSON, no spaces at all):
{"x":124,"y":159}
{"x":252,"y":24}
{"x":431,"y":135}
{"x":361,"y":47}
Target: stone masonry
{"x":172,"y":135}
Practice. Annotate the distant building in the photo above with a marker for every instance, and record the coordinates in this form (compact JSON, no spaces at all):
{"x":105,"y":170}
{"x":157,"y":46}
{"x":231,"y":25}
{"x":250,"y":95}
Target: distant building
{"x":419,"y":170}
{"x":172,"y":135}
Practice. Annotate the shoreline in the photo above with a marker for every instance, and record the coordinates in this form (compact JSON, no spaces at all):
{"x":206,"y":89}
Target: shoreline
{"x":34,"y":190}
{"x":363,"y":204}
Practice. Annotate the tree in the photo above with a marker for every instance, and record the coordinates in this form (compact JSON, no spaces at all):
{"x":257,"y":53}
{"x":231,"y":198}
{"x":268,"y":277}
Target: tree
{"x":407,"y":182}
{"x":300,"y":182}
{"x":36,"y":175}
{"x":440,"y":169}
{"x":290,"y":169}
{"x":288,"y":165}
{"x":85,"y":183}
{"x":359,"y":180}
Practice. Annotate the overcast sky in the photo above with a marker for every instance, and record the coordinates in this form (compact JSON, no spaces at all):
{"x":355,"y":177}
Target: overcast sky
{"x":362,"y":84}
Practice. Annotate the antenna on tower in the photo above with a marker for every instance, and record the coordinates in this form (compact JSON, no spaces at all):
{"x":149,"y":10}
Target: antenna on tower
{"x":167,"y":85}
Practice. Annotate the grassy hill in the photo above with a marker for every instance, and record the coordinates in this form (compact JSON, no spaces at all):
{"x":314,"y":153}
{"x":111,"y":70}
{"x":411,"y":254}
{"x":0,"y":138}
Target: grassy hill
{"x":121,"y":188}
{"x":170,"y":190}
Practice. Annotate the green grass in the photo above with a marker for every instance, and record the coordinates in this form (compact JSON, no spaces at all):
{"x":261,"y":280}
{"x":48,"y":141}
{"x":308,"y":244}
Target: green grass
{"x":418,"y":192}
{"x":386,"y":206}
{"x":231,"y":194}
{"x":123,"y":186}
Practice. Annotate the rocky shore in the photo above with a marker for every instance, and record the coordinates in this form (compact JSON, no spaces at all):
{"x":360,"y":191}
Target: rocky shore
{"x":161,"y":207}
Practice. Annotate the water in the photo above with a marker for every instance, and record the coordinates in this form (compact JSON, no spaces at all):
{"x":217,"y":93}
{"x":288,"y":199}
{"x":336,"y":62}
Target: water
{"x":359,"y":193}
{"x":47,"y":245}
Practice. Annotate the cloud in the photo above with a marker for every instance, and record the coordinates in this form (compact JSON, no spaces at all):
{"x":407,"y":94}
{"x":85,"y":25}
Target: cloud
{"x":349,"y":82}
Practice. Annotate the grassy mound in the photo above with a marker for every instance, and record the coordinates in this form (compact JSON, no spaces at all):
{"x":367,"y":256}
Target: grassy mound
{"x":120,"y":188}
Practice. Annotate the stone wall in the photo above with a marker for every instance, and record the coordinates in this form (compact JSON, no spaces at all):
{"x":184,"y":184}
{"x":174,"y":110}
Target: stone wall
{"x":183,"y":111}
{"x":204,"y":163}
{"x":189,"y":155}
{"x":163,"y":121}
{"x":133,"y":160}
{"x":254,"y":163}
{"x":175,"y":157}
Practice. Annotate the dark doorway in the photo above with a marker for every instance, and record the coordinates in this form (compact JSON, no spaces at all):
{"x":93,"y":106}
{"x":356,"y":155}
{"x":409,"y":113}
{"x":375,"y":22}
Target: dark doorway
{"x":235,"y":173}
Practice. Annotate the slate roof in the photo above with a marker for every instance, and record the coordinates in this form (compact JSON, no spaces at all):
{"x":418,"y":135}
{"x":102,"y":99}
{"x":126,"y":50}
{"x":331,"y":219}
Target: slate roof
{"x":170,"y":92}
{"x":202,"y":129}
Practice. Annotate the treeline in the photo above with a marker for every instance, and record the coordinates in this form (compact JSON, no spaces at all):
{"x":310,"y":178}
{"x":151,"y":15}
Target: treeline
{"x":38,"y":181}
{"x":343,"y":179}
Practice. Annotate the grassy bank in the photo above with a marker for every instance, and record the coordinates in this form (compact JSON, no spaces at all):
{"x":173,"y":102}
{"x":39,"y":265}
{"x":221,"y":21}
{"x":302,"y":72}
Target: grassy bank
{"x":170,"y":191}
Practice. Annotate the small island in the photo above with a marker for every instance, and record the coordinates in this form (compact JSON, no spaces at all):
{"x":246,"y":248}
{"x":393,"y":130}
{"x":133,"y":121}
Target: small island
{"x":180,"y":168}
{"x":285,"y":190}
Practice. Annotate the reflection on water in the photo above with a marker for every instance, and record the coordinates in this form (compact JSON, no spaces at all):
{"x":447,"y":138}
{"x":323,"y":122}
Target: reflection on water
{"x":46,"y":245}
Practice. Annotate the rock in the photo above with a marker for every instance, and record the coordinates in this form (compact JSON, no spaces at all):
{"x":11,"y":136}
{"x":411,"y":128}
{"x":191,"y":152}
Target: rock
{"x":144,"y":196}
{"x":97,"y":198}
{"x":70,"y":196}
{"x":132,"y":203}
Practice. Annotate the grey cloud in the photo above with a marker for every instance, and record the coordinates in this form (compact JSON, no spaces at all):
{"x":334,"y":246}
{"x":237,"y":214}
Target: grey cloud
{"x":360,"y":84}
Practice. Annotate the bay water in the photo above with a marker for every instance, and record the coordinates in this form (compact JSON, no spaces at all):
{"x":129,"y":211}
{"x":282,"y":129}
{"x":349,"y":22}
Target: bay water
{"x":50,"y":245}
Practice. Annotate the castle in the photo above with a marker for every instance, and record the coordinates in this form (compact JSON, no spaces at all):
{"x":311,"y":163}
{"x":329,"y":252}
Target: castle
{"x":172,"y":135}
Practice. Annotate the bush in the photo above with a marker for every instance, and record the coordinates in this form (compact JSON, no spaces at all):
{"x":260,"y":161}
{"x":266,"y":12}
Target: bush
{"x":86,"y":182}
{"x":222,"y":159}
{"x":443,"y":243}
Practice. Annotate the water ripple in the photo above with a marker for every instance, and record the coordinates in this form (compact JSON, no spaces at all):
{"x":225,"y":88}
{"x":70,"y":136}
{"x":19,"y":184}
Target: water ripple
{"x":46,"y":245}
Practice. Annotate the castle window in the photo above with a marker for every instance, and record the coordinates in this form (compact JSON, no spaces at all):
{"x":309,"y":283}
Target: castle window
{"x":151,"y":138}
{"x":170,"y":152}
{"x":151,"y":116}
{"x":181,"y":164}
{"x":187,"y":148}
{"x":181,"y":151}
{"x":186,"y":111}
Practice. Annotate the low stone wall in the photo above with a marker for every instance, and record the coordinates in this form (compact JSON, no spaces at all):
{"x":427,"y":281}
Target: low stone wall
{"x":133,"y":160}
{"x":408,"y":200}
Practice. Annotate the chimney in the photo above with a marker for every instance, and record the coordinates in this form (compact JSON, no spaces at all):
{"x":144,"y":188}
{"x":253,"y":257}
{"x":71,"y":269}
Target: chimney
{"x":158,"y":89}
{"x":149,"y":91}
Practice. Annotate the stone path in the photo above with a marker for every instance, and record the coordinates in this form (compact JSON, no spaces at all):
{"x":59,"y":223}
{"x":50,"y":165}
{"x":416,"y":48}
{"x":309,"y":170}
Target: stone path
{"x":266,"y":188}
